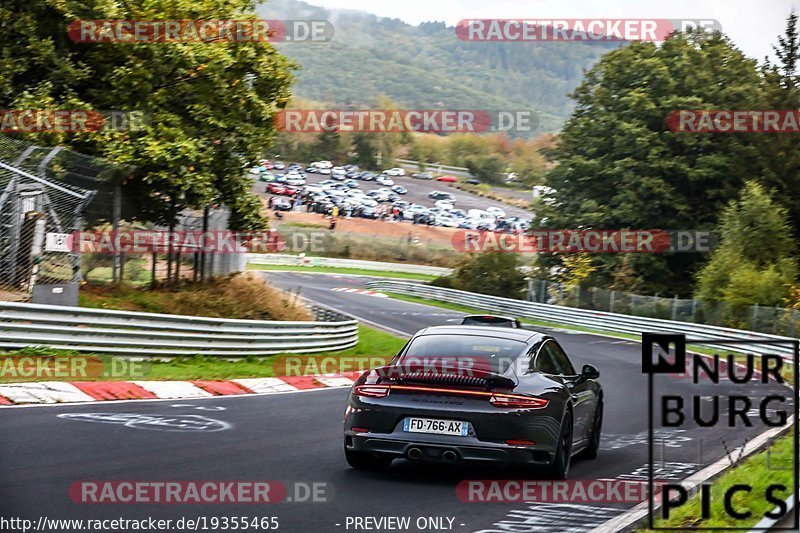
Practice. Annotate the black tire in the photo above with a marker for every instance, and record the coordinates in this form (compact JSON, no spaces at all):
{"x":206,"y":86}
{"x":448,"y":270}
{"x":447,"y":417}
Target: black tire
{"x":366,"y":460}
{"x":594,"y":441}
{"x":559,"y":468}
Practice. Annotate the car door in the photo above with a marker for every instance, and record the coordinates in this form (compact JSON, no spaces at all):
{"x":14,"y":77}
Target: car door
{"x":583,"y":394}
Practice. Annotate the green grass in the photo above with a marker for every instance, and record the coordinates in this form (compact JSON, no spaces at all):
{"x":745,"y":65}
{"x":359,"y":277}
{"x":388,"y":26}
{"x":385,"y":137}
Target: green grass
{"x":374,"y":346}
{"x":339,"y":270}
{"x":756,"y":471}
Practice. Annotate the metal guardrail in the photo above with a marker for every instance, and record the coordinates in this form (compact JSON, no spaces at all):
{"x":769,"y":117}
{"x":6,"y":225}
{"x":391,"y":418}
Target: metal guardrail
{"x":143,"y":334}
{"x":597,"y":320}
{"x":296,"y":260}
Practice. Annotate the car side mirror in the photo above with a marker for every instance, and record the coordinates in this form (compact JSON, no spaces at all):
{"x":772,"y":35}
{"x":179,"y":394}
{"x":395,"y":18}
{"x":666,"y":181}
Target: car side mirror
{"x":589,"y":372}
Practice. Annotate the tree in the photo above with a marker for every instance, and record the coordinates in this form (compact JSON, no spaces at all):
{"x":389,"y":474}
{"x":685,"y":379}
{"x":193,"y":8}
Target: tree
{"x":619,"y":166}
{"x":208,"y":105}
{"x":754,"y":262}
{"x":495,"y":273}
{"x":487,"y":168}
{"x":781,"y":85}
{"x":366,"y":149}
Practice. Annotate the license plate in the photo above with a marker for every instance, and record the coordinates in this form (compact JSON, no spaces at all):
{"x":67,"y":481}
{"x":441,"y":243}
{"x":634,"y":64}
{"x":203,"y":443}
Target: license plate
{"x":438,"y":427}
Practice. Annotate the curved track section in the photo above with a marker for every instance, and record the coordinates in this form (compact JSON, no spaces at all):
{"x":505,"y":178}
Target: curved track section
{"x":297,"y":438}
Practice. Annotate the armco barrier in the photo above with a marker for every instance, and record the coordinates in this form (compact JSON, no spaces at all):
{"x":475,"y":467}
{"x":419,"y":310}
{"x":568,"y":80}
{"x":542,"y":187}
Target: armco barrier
{"x":296,"y":260}
{"x":597,"y":320}
{"x":142,"y":334}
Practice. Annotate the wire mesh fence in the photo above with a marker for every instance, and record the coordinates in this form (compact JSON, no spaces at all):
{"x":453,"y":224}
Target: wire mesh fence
{"x":774,"y":320}
{"x":41,"y":203}
{"x":139,"y":254}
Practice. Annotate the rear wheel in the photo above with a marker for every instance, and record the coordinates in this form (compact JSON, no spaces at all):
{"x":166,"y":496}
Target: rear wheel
{"x":366,"y":460}
{"x":559,"y":468}
{"x":594,"y":440}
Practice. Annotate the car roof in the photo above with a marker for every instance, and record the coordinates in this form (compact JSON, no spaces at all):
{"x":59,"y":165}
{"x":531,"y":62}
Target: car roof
{"x":523,"y":335}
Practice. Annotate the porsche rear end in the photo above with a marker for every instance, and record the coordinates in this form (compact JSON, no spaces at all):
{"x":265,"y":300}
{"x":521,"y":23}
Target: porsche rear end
{"x":448,"y":417}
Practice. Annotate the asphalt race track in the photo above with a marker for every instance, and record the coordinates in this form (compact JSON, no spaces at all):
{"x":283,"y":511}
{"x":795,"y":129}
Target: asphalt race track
{"x":297,"y":438}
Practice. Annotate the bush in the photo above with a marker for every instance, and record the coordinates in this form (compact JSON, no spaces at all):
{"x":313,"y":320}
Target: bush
{"x":493,"y":273}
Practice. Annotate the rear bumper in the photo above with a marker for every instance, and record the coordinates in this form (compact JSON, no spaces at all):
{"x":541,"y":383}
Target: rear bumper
{"x":426,"y":449}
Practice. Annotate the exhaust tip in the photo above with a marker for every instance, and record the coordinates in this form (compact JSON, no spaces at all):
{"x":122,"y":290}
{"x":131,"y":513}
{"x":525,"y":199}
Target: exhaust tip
{"x":414,"y":453}
{"x":449,"y":456}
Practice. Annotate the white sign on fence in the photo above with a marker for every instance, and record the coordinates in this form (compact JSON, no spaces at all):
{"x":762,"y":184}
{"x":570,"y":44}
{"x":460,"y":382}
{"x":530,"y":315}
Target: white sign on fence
{"x":58,"y":242}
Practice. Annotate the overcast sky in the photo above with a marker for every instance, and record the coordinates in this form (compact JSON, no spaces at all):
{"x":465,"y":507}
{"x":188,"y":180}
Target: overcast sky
{"x":752,"y":24}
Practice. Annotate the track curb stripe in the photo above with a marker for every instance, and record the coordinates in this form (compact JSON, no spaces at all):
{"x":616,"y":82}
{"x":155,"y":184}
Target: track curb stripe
{"x":55,"y":392}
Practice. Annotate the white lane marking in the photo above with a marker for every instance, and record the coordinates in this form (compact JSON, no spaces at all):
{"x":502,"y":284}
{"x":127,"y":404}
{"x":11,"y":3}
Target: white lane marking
{"x":44,"y":392}
{"x":174,"y":389}
{"x":152,"y":422}
{"x":265,"y":385}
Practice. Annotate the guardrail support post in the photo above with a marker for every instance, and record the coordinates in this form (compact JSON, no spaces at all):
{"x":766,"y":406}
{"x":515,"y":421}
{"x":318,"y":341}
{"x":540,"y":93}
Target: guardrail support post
{"x":611,"y":302}
{"x":675,"y":307}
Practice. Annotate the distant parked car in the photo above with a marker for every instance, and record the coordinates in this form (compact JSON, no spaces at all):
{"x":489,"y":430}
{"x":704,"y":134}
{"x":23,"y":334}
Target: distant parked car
{"x":399,"y":189}
{"x":422,"y":176}
{"x":295,"y":180}
{"x":277,"y":165}
{"x":275,"y":188}
{"x":397,"y":171}
{"x":367,"y":176}
{"x":281,"y":204}
{"x":384,"y":180}
{"x":311,"y":170}
{"x":441,"y":195}
{"x":496,"y":211}
{"x":473,"y":181}
{"x":447,"y":179}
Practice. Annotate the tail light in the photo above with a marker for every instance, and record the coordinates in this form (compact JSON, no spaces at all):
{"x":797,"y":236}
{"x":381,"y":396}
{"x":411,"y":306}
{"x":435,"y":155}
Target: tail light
{"x":520,"y":443}
{"x":371,"y":391}
{"x":518,"y":401}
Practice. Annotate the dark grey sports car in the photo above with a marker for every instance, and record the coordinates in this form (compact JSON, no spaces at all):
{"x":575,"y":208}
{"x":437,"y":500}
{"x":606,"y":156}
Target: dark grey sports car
{"x":475,"y":394}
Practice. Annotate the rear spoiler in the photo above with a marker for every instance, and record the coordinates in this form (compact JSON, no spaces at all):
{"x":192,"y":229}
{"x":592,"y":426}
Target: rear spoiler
{"x":469,"y":377}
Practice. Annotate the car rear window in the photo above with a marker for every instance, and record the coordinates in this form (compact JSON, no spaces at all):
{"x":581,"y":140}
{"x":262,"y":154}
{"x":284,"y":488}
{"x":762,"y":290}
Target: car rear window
{"x":492,"y":354}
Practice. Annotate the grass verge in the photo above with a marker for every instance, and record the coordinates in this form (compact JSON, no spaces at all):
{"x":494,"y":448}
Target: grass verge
{"x":244,"y":296}
{"x":771,"y":466}
{"x":339,"y":270}
{"x":374,"y":347}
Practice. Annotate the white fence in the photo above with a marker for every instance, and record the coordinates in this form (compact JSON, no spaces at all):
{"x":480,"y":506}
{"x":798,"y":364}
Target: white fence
{"x":296,"y":260}
{"x":716,"y":336}
{"x":142,"y":334}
